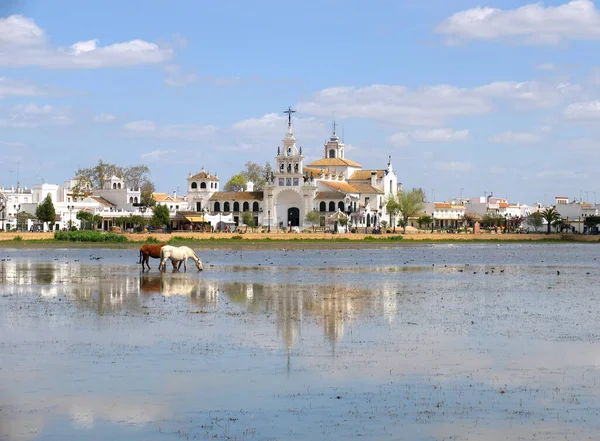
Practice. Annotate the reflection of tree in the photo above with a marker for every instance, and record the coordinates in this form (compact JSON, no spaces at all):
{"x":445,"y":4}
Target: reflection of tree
{"x":44,"y":274}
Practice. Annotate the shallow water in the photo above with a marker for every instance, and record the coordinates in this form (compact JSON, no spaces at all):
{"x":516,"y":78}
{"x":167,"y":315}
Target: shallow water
{"x":428,"y":342}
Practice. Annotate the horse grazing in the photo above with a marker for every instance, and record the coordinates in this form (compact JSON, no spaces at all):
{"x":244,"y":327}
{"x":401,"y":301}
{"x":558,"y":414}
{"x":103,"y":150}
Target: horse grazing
{"x":178,"y":254}
{"x":148,"y":251}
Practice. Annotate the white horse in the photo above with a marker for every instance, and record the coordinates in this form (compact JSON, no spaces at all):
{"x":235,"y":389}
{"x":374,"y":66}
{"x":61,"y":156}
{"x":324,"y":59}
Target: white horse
{"x":178,"y":254}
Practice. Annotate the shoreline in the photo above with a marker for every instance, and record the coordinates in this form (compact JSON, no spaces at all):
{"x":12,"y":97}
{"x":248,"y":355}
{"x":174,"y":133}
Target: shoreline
{"x":289,"y":240}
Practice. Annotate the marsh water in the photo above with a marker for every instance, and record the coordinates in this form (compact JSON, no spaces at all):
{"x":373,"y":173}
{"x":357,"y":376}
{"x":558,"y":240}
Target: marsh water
{"x":430,"y":342}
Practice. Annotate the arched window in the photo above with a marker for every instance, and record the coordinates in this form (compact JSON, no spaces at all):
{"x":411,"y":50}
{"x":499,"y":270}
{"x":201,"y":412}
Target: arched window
{"x":202,"y":184}
{"x":246,"y":206}
{"x":194,"y":185}
{"x":236,"y":206}
{"x":131,"y":200}
{"x":119,"y":185}
{"x":211,"y":185}
{"x":114,"y":186}
{"x":255,"y":206}
{"x":332,"y":153}
{"x":323,"y":206}
{"x":135,"y":200}
{"x":217,"y":207}
{"x":341,"y":205}
{"x":332,"y":206}
{"x":226,"y":206}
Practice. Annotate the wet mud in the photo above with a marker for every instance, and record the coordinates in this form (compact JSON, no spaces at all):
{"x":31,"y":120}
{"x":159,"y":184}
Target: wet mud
{"x":432,"y":342}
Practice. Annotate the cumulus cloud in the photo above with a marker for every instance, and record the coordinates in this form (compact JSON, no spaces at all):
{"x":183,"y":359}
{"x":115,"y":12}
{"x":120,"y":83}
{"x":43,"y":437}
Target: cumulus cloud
{"x":155,"y":155}
{"x":583,"y":112}
{"x":440,"y":135}
{"x":273,"y":126}
{"x":433,"y":106}
{"x":189,"y":132}
{"x":515,"y":137}
{"x":399,"y":140}
{"x":32,"y":115}
{"x":23,"y":43}
{"x":532,"y":24}
{"x":10,"y":87}
{"x":453,"y":166}
{"x":104,"y":118}
{"x":425,"y":106}
{"x":531,"y":94}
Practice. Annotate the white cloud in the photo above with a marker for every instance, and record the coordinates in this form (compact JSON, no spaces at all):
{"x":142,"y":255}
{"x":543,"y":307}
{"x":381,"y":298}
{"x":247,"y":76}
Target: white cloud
{"x":515,"y":137}
{"x":546,"y":66}
{"x":32,"y":115}
{"x":104,"y":118}
{"x":432,"y":106}
{"x":583,"y":112}
{"x":23,"y":43}
{"x":440,"y":135}
{"x":399,"y":140}
{"x":274,"y":125}
{"x":189,"y":132}
{"x":10,"y":87}
{"x":425,"y":106}
{"x":177,"y":77}
{"x":498,"y":170}
{"x":531,"y":94}
{"x":157,"y":154}
{"x":143,"y":126}
{"x":561,"y":174}
{"x":453,"y":166}
{"x":532,"y":23}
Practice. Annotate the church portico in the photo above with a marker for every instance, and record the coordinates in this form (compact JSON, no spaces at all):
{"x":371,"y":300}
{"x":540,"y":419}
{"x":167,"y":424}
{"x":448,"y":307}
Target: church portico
{"x":288,"y":208}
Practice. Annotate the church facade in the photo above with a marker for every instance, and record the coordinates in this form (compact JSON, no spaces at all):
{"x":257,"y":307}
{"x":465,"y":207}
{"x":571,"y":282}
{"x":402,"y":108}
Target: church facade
{"x":332,"y":185}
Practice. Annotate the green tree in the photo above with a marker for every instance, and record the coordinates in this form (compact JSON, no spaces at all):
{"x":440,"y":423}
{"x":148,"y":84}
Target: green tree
{"x":492,"y":219}
{"x":409,"y":203}
{"x":84,"y":216}
{"x":424,"y":220}
{"x":313,"y":218}
{"x":236,"y":183}
{"x":96,"y":221}
{"x":95,"y":177}
{"x":248,"y":220}
{"x":343,"y":222}
{"x":135,"y":176}
{"x":550,"y":215}
{"x":256,"y":173}
{"x":45,"y":212}
{"x":146,"y":190}
{"x":160,"y":216}
{"x":535,"y":220}
{"x":393,"y":208}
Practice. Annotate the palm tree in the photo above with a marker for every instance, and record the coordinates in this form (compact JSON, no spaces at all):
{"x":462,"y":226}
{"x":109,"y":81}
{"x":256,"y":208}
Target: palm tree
{"x":550,"y":215}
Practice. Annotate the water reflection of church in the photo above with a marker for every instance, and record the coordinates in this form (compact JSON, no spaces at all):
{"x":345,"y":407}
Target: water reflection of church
{"x":331,"y":306}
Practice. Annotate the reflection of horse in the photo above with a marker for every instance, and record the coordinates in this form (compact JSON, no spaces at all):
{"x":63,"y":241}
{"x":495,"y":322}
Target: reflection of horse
{"x":177,"y":254}
{"x":153,"y":251}
{"x":169,"y":286}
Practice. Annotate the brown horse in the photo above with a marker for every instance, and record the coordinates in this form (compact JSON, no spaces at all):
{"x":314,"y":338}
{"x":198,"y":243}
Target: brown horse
{"x":148,"y":251}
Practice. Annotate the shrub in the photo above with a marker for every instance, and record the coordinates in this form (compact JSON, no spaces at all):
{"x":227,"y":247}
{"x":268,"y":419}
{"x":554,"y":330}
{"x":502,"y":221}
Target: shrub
{"x":151,"y":239}
{"x":236,"y":238}
{"x":18,"y":237}
{"x":88,"y":236}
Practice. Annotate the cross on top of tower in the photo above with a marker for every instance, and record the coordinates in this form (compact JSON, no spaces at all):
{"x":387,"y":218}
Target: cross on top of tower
{"x":334,"y":126}
{"x":289,"y":112}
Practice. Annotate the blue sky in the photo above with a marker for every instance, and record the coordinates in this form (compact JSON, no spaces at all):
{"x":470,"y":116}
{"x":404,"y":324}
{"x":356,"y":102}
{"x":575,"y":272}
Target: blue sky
{"x":467,"y":97}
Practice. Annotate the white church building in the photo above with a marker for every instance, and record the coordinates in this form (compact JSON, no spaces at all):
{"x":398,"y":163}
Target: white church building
{"x":330,"y":186}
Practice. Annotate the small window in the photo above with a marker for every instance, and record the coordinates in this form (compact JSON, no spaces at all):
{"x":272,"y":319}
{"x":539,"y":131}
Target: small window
{"x":246,"y":206}
{"x":288,"y":182}
{"x":202,"y":184}
{"x":332,"y":153}
{"x":281,"y":182}
{"x":255,"y":206}
{"x":296,"y":182}
{"x":341,"y":205}
{"x":226,"y":206}
{"x":332,"y":206}
{"x":236,"y":206}
{"x":323,"y":206}
{"x":217,"y":207}
{"x":131,"y":200}
{"x":194,"y":185}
